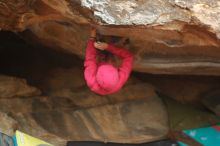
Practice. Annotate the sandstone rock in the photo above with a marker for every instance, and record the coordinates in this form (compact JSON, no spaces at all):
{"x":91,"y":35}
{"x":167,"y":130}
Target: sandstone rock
{"x":185,"y":89}
{"x":20,"y":118}
{"x":23,"y":13}
{"x":83,"y":115}
{"x":27,"y":124}
{"x":205,"y":11}
{"x":166,"y":37}
{"x":140,"y":12}
{"x":69,"y":38}
{"x":191,"y":50}
{"x":11,"y":87}
{"x":129,"y":122}
{"x":8,"y":124}
{"x":61,"y":79}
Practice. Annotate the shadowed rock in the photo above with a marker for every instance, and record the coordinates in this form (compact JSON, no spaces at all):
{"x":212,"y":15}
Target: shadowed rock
{"x":14,"y":87}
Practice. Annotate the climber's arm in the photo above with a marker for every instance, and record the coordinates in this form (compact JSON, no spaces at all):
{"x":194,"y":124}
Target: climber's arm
{"x":91,"y":65}
{"x":126,"y":65}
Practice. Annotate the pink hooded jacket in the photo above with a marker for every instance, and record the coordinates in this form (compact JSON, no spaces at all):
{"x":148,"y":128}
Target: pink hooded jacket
{"x":91,"y":68}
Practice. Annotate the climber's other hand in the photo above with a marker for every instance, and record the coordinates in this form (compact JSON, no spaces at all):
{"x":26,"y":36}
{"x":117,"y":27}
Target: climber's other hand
{"x":100,"y":45}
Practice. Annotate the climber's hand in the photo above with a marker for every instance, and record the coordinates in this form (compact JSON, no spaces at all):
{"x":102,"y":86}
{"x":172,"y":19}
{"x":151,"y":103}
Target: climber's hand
{"x":93,"y":33}
{"x":100,"y":45}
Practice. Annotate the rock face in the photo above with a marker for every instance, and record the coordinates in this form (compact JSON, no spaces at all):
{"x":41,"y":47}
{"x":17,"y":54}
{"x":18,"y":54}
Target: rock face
{"x":127,"y":122}
{"x":156,"y":12}
{"x":70,"y":111}
{"x":14,"y":87}
{"x":166,"y":37}
{"x":79,"y":114}
{"x":139,"y":12}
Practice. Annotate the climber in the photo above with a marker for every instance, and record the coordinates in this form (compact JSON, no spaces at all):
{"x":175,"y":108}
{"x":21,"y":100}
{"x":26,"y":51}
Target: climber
{"x":104,"y":78}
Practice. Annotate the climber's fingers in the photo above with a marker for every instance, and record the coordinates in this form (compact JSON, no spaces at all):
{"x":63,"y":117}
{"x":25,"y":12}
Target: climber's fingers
{"x":93,"y":32}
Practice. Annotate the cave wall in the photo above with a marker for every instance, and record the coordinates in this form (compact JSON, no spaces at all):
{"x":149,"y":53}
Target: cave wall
{"x":50,"y":99}
{"x":166,"y":37}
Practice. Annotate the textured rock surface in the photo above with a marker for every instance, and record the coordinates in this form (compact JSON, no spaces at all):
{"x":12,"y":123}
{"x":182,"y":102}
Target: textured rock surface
{"x":57,"y":119}
{"x":8,"y":124}
{"x":185,"y":89}
{"x":206,"y":11}
{"x":141,"y":12}
{"x":14,"y":87}
{"x":145,"y":12}
{"x":64,"y":78}
{"x":194,"y":51}
{"x":126,"y":122}
{"x":60,"y":77}
{"x":70,"y":111}
{"x":168,"y":37}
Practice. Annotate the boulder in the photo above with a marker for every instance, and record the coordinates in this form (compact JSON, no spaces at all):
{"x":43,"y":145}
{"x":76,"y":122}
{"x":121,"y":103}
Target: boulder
{"x":134,"y":115}
{"x":126,"y":122}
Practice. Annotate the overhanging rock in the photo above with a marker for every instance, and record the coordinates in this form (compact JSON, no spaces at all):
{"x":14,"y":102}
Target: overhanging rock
{"x":166,"y":37}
